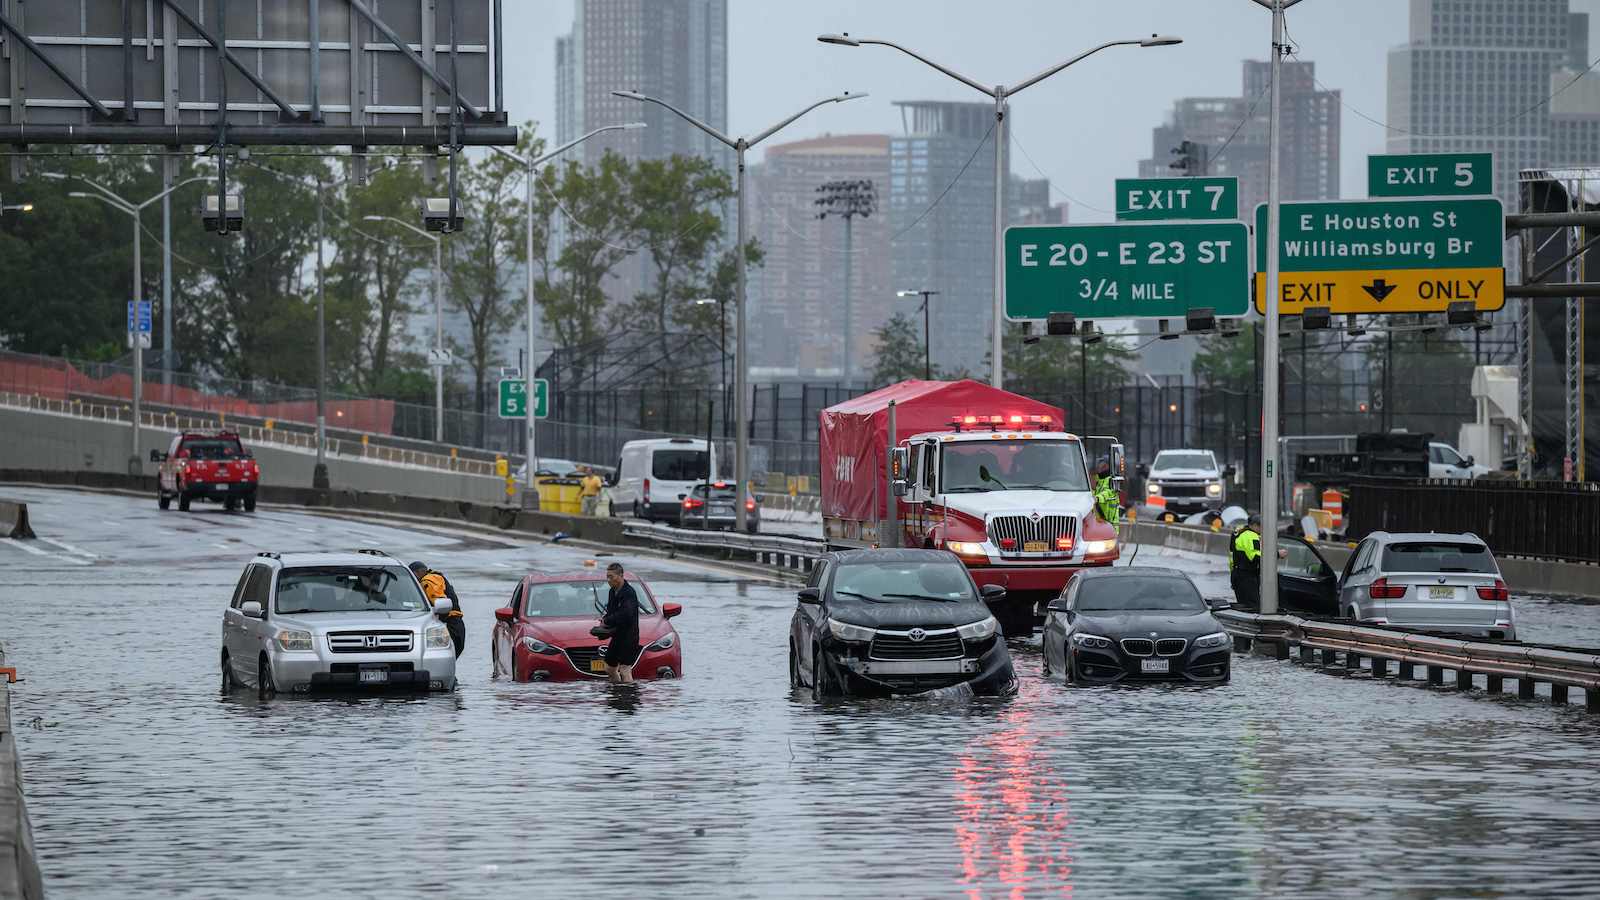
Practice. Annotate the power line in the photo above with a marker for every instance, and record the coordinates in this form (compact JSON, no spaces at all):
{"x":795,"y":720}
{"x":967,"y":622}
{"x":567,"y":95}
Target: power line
{"x":1248,"y":115}
{"x":1042,"y":174}
{"x":948,"y":188}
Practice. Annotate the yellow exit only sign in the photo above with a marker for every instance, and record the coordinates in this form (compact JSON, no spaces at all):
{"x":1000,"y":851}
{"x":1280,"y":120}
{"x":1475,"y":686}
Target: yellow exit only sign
{"x":1389,"y":291}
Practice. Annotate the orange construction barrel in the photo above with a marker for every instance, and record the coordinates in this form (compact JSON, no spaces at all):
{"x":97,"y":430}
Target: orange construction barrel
{"x":1333,"y":502}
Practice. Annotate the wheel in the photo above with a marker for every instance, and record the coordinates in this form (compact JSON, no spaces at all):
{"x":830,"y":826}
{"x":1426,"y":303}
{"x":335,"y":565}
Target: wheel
{"x":250,"y":503}
{"x":821,"y":685}
{"x":265,"y":687}
{"x":230,"y":504}
{"x":636,"y":513}
{"x":183,"y":500}
{"x":162,"y":500}
{"x":228,"y":684}
{"x":794,"y":667}
{"x":1072,"y":664}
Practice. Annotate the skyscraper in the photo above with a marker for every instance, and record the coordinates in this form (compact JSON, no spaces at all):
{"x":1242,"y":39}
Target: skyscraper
{"x":1475,"y":76}
{"x":1234,"y":132}
{"x":1575,"y":107}
{"x":796,"y":295}
{"x":675,"y":50}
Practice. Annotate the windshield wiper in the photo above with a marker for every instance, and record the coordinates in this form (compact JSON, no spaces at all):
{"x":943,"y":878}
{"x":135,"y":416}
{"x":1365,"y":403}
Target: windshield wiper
{"x":858,"y":594}
{"x":967,"y":490}
{"x":926,"y":597}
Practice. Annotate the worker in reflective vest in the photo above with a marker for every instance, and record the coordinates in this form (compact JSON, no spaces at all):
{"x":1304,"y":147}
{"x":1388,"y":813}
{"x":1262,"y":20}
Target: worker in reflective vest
{"x":1244,"y":563}
{"x":1106,"y":498}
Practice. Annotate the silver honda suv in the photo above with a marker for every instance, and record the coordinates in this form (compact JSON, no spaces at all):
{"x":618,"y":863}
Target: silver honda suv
{"x":300,"y":621}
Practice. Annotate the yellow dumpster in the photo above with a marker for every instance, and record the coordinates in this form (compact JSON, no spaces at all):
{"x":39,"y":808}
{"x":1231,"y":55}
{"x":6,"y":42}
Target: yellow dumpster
{"x":561,"y":495}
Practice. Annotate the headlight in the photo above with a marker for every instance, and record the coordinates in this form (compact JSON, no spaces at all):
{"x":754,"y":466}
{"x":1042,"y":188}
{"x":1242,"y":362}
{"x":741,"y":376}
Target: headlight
{"x":295,"y":640}
{"x":1092,"y":641}
{"x":966,"y":548}
{"x":1214,"y":489}
{"x":437,"y":637}
{"x":847,"y":632}
{"x":979,"y":631}
{"x":1218,"y":639}
{"x":1094,"y":548}
{"x":1152,"y":488}
{"x":664,"y":642}
{"x":535,"y":645}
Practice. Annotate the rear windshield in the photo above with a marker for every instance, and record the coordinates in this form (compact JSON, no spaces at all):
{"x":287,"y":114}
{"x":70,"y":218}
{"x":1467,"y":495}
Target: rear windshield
{"x":1135,"y":593}
{"x":1438,"y":557}
{"x":213,"y":448}
{"x":724,"y":492}
{"x":317,"y":589}
{"x":679,"y":465}
{"x":575,"y":598}
{"x":896,"y":582}
{"x":1184,"y":461}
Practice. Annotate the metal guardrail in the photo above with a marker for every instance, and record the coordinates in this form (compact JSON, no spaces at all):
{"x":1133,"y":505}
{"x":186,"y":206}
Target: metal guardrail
{"x":793,"y":553}
{"x":369,"y":452}
{"x":1562,"y":668}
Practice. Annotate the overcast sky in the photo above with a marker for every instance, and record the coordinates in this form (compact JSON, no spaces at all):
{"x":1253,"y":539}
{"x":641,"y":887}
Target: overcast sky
{"x":1084,"y":127}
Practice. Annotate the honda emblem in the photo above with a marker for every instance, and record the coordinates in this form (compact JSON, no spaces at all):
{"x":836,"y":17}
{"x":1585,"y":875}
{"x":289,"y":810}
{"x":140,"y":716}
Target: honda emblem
{"x":371,"y":641}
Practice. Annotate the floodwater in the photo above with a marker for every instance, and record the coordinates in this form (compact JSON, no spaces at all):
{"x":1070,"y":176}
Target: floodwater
{"x":143,"y":780}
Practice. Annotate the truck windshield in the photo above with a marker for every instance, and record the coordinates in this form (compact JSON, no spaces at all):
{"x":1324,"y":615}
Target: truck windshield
{"x":1013,"y":465}
{"x":319,"y":589}
{"x":1167,"y":459}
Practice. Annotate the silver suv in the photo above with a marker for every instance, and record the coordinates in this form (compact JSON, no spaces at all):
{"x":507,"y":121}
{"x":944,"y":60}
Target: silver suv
{"x":300,"y":621}
{"x":1438,"y":583}
{"x":1189,"y":481}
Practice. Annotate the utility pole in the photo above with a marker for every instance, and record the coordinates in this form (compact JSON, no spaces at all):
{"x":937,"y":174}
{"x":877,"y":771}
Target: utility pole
{"x":847,"y":199}
{"x":927,"y":353}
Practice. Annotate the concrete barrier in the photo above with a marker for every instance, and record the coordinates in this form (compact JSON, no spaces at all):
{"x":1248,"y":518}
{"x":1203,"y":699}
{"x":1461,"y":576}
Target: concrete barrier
{"x":19,"y":867}
{"x":14,"y":519}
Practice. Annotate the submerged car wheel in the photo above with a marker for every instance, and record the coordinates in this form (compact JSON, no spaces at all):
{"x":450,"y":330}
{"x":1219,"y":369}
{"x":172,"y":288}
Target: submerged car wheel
{"x":821,"y":685}
{"x":250,"y":503}
{"x":265,"y":687}
{"x":228,"y":684}
{"x":183,"y":500}
{"x":230,"y":504}
{"x":794,"y":667}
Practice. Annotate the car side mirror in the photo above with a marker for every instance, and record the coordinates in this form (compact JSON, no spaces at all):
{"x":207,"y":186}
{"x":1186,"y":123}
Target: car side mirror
{"x":443,"y":605}
{"x":1059,"y":605}
{"x":1471,"y":461}
{"x":671,"y":610}
{"x":158,"y":456}
{"x":810,"y":595}
{"x":250,"y":609}
{"x":992,"y":593}
{"x":505,"y":614}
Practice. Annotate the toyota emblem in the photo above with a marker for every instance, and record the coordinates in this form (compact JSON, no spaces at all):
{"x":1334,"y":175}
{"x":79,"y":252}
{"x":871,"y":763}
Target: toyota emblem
{"x":917,"y":634}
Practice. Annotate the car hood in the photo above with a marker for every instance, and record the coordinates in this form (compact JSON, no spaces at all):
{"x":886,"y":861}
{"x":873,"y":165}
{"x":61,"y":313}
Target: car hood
{"x":573,"y":631}
{"x":1140,"y":624}
{"x":352,"y":620}
{"x":906,"y":613}
{"x":1184,"y":473}
{"x":989,"y":504}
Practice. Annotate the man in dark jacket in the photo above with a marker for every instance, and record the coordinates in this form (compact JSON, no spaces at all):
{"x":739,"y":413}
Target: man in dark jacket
{"x":435,"y":586}
{"x":622,"y":618}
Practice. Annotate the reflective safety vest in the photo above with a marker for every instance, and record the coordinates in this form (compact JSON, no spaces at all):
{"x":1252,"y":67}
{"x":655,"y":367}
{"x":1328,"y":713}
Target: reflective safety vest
{"x":1106,"y":499}
{"x":1246,"y":552}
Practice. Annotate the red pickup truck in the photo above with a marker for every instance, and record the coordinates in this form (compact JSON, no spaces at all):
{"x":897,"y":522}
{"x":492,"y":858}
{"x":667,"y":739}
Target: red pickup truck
{"x":206,"y":465}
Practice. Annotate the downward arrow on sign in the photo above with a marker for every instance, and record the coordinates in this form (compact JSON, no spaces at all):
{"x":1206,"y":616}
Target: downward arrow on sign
{"x":1379,"y":289}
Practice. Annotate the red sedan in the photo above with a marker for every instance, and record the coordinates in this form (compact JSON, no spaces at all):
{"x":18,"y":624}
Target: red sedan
{"x":543,"y":634}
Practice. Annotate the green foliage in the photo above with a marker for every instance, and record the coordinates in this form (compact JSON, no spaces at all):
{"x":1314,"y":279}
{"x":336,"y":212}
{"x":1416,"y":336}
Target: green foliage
{"x":1227,"y":362}
{"x":371,"y":279}
{"x":1056,"y":361}
{"x":673,"y":218}
{"x":900,"y":354}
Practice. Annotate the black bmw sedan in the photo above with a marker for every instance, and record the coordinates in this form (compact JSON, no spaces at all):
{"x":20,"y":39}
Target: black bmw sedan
{"x":1134,"y":624}
{"x":877,"y":622}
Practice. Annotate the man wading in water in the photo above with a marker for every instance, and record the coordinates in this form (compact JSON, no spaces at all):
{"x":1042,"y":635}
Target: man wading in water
{"x":622,"y":618}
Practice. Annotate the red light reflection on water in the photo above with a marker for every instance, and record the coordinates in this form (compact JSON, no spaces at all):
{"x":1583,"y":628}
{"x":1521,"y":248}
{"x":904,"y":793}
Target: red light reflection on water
{"x":1013,"y":821}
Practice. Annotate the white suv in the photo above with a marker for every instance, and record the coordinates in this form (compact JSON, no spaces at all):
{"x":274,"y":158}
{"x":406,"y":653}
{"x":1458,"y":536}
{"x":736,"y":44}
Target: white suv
{"x":300,"y":621}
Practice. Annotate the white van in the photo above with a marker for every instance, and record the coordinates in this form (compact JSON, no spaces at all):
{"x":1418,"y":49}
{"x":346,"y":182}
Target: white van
{"x":655,"y":475}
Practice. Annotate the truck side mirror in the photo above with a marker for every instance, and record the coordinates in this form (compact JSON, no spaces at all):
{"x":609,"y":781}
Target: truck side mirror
{"x":1229,"y":471}
{"x":1119,"y":460}
{"x":898,"y":487}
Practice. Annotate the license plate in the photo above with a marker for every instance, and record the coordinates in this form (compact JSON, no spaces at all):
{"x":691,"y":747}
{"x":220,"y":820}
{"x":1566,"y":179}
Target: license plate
{"x":722,"y":510}
{"x":597,"y":665}
{"x":1153,"y":665}
{"x":1441,"y":593}
{"x":374,"y":676}
{"x":1036,"y":547}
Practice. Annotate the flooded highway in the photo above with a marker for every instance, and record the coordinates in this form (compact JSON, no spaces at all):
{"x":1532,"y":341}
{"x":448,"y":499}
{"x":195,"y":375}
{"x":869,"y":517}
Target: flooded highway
{"x":144,"y":780}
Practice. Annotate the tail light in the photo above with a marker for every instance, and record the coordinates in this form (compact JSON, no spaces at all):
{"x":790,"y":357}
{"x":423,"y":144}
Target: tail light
{"x":1498,"y":592}
{"x":693,"y":503}
{"x":647,"y":490}
{"x":1381,"y":589}
{"x":750,"y":504}
{"x":1064,"y":543}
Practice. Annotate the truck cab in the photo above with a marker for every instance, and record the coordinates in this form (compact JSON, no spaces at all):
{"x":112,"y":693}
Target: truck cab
{"x":1187,"y":481}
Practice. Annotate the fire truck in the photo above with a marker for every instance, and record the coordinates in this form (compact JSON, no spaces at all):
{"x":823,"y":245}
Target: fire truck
{"x":984,"y":473}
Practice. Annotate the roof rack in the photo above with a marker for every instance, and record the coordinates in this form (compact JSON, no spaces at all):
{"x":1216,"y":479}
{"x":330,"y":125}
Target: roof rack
{"x":270,"y":555}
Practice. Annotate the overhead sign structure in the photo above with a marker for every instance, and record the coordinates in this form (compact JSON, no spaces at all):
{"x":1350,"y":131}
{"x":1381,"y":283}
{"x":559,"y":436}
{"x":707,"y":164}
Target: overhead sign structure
{"x":1177,"y":199}
{"x":1127,"y":270}
{"x":1430,"y":175}
{"x":513,"y":398}
{"x":1386,"y":256}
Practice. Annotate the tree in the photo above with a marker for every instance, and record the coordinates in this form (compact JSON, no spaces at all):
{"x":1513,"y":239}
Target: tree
{"x":899,"y":354}
{"x":597,"y":206}
{"x":477,"y":275}
{"x":673,"y":221}
{"x":1227,"y":362}
{"x":373,"y":269}
{"x":702,"y":318}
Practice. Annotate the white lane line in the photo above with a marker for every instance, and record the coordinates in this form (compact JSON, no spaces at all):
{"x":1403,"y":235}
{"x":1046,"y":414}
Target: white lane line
{"x":503,"y":565}
{"x":69,"y":548}
{"x":222,"y":546}
{"x":20,"y":545}
{"x":305,"y":530}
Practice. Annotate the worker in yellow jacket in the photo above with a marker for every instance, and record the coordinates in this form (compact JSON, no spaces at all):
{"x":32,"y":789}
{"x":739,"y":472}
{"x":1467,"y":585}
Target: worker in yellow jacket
{"x":435,"y":586}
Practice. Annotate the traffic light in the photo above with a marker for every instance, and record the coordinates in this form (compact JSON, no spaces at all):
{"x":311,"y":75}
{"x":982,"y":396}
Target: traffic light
{"x":1192,"y":159}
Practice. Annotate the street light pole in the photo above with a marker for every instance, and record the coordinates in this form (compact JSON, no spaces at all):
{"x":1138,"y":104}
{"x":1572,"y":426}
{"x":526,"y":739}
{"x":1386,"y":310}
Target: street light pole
{"x":135,"y":211}
{"x":438,"y":321}
{"x":1270,"y":477}
{"x":927,"y":338}
{"x":319,"y":474}
{"x":530,"y":494}
{"x":741,"y":364}
{"x":999,"y":93}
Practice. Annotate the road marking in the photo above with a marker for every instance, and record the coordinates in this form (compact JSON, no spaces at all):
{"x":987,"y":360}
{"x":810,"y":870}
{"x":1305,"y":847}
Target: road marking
{"x":48,"y":555}
{"x":69,"y":548}
{"x":222,"y":546}
{"x":305,"y":530}
{"x":22,"y":546}
{"x":504,"y":565}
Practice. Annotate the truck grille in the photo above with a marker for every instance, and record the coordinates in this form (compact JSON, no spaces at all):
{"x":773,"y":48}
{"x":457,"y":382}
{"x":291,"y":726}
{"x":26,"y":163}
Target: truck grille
{"x":1171,"y":646}
{"x":940,"y":642}
{"x":1182,"y":489}
{"x":1023,"y":529}
{"x":1138,"y":646}
{"x":369,"y":641}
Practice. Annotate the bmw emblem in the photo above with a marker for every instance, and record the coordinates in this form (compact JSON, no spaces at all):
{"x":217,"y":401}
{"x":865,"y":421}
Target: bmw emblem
{"x":1152,"y":634}
{"x":1441,"y":579}
{"x":917,"y":634}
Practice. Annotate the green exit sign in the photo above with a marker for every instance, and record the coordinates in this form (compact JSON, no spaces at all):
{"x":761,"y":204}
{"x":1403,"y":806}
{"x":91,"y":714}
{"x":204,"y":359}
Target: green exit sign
{"x":513,"y":398}
{"x":1157,"y":270}
{"x":1177,"y":199}
{"x":1430,"y":175}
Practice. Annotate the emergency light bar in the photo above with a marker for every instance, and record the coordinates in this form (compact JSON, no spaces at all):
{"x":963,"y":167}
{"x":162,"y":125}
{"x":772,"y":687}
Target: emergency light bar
{"x":1013,"y":422}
